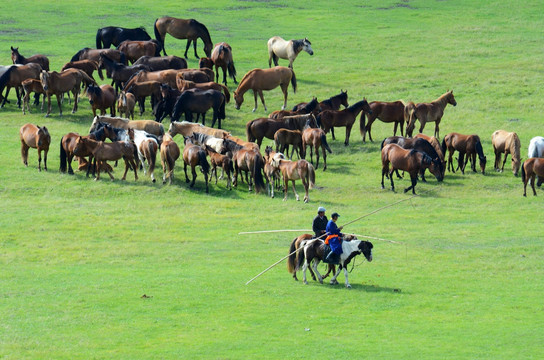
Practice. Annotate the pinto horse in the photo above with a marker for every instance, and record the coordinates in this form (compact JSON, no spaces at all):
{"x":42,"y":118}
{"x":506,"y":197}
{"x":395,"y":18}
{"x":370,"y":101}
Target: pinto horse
{"x":289,"y":50}
{"x":411,"y":161}
{"x":530,"y":169}
{"x":14,"y":77}
{"x":293,"y":259}
{"x":265,"y":79}
{"x":468,"y":145}
{"x":102,"y":98}
{"x":147,"y":147}
{"x":197,"y":101}
{"x":69,"y":80}
{"x":329,"y":119}
{"x":260,"y":128}
{"x":222,"y":58}
{"x":194,"y":155}
{"x":169,"y":154}
{"x":314,"y":251}
{"x":315,"y":138}
{"x":507,"y":143}
{"x":156,"y":63}
{"x":189,"y":29}
{"x":149,"y":126}
{"x":135,"y":49}
{"x":272,"y":174}
{"x":388,"y":112}
{"x":33,"y":136}
{"x":295,"y":170}
{"x":114,"y":35}
{"x":428,"y":112}
{"x":248,"y":160}
{"x":17,"y":58}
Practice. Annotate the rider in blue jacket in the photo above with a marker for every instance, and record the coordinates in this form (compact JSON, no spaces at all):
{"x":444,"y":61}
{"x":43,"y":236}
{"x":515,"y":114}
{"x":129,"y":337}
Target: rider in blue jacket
{"x":334,"y":239}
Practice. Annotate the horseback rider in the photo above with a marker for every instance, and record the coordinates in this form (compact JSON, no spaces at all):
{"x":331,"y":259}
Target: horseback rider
{"x":319,"y":224}
{"x":334,"y":240}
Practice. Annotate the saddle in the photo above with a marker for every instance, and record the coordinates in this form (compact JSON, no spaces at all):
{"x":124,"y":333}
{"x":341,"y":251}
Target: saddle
{"x":329,"y":257}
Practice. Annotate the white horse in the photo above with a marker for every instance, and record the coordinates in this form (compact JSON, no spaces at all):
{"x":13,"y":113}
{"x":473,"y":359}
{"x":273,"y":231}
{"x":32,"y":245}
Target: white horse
{"x":536,"y":147}
{"x":147,"y":146}
{"x":280,"y":48}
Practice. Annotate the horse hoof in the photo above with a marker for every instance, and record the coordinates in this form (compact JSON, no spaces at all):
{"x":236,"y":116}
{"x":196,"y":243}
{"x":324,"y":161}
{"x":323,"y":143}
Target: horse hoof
{"x":306,"y":201}
{"x":254,"y":110}
{"x":348,"y":286}
{"x":321,"y":281}
{"x":153,"y":180}
{"x":305,"y":282}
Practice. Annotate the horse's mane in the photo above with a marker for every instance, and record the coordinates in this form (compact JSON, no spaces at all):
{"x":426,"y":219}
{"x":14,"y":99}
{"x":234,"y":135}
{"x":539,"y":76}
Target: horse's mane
{"x":479,"y":149}
{"x":246,"y":75}
{"x":356,"y":105}
{"x":78,"y":54}
{"x":96,"y":90}
{"x":202,"y":27}
{"x":515,"y":146}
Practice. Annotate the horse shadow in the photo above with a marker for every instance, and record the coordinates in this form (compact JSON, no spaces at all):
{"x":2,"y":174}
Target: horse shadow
{"x":369,"y":288}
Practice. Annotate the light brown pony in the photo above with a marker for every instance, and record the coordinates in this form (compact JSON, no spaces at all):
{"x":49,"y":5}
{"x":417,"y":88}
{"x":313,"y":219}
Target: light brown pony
{"x":189,"y":29}
{"x":222,"y":161}
{"x":507,"y":143}
{"x":69,"y":80}
{"x":315,"y":139}
{"x":149,"y":126}
{"x":329,"y":119}
{"x":265,"y":79}
{"x":134,"y":49}
{"x":17,"y":58}
{"x":435,"y":144}
{"x":292,"y":261}
{"x":15,"y":76}
{"x":169,"y":154}
{"x":388,"y":112}
{"x":295,"y":170}
{"x":102,"y":98}
{"x":529,"y":170}
{"x":427,"y":112}
{"x":222,"y":58}
{"x":468,"y":145}
{"x":147,"y":151}
{"x":186,"y":85}
{"x":285,"y":137}
{"x":33,"y":136}
{"x":143,"y":89}
{"x":103,"y":152}
{"x":186,"y":128}
{"x":194,"y":155}
{"x":125,"y":105}
{"x":88,"y":66}
{"x":162,"y":76}
{"x":31,"y":86}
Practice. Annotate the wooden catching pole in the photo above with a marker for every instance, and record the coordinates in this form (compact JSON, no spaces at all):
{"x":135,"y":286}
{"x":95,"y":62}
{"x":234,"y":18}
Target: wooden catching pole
{"x":376,"y":238}
{"x":272,"y":231}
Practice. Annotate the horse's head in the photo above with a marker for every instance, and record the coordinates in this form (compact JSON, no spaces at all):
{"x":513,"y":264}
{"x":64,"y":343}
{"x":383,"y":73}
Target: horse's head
{"x":344,"y":98}
{"x":14,"y":54}
{"x":516,"y":163}
{"x":208,"y":47}
{"x":410,"y":118}
{"x":307,"y":46}
{"x":44,"y":78}
{"x":451,"y":98}
{"x":435,"y":167}
{"x":239,"y":100}
{"x":92,"y":92}
{"x":79,"y":145}
{"x":311,"y":122}
{"x":365,"y":247}
{"x":483,"y":161}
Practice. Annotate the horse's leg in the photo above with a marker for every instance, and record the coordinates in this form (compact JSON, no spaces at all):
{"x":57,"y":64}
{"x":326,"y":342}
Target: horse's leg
{"x":304,"y":267}
{"x":473,"y":161}
{"x":333,"y":279}
{"x":314,"y":266}
{"x":348,"y":133}
{"x":186,"y":48}
{"x":224,"y":67}
{"x":451,"y":167}
{"x":193,"y":172}
{"x":332,"y":132}
{"x":45,"y":159}
{"x":59,"y":104}
{"x":346,"y":276}
{"x":48,"y":105}
{"x":18,"y":97}
{"x":285,"y":187}
{"x":391,"y":179}
{"x":402,"y":128}
{"x":306,"y":186}
{"x":295,"y":190}
{"x":422,"y":126}
{"x":413,"y":178}
{"x":194,"y":46}
{"x":75,"y":92}
{"x":284,"y":90}
{"x":437,"y":129}
{"x":324,"y":157}
{"x":533,"y":178}
{"x":185,"y":169}
{"x":262,"y":100}
{"x":504,"y":162}
{"x":255,"y":97}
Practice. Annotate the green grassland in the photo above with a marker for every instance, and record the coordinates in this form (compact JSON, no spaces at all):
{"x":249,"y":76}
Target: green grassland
{"x":76,"y":256}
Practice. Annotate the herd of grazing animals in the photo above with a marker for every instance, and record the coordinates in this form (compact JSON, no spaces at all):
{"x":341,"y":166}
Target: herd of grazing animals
{"x":175,"y":90}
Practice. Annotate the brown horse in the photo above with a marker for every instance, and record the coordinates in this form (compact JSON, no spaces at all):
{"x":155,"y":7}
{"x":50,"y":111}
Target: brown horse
{"x":17,"y":58}
{"x":33,"y":136}
{"x":260,"y":128}
{"x":412,"y":161}
{"x":332,"y":103}
{"x":295,"y":170}
{"x":102,"y":98}
{"x":316,"y":138}
{"x":125,"y":104}
{"x":14,"y":77}
{"x":222,"y":58}
{"x":118,"y":72}
{"x":31,"y":86}
{"x":292,"y":260}
{"x":529,"y":170}
{"x":143,"y":89}
{"x":186,"y":85}
{"x":194,"y":155}
{"x":156,"y":63}
{"x":103,"y":152}
{"x":329,"y":119}
{"x":507,"y":143}
{"x":169,"y":154}
{"x":248,"y":160}
{"x":205,"y":62}
{"x":311,"y":107}
{"x":186,"y":128}
{"x":468,"y":145}
{"x":135,"y":49}
{"x":265,"y":79}
{"x":427,"y":112}
{"x":272,"y":174}
{"x":69,"y":80}
{"x":149,"y":126}
{"x":202,"y":75}
{"x":222,"y":161}
{"x":162,"y":76}
{"x":88,"y":66}
{"x":189,"y":29}
{"x":94,"y":54}
{"x":387,"y":112}
{"x":285,"y":137}
{"x":435,"y":144}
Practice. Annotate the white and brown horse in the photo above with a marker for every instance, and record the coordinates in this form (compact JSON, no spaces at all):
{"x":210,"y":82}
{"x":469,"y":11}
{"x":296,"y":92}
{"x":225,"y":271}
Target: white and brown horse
{"x":287,"y":49}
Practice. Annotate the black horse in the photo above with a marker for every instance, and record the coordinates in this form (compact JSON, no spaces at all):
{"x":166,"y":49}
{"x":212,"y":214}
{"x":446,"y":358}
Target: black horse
{"x":118,"y":72}
{"x":198,"y":101}
{"x":113,"y":35}
{"x":165,"y":107}
{"x":417,"y":144}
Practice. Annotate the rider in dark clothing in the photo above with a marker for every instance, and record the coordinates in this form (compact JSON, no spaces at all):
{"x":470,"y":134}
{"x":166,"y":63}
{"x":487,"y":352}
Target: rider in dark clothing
{"x":334,"y":240}
{"x":320,"y":222}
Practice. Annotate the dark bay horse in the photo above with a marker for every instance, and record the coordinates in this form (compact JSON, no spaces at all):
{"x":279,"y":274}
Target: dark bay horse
{"x":102,"y":98}
{"x":198,"y":101}
{"x":530,"y":169}
{"x":387,"y":112}
{"x":287,"y":49}
{"x":194,"y":155}
{"x":507,"y":143}
{"x":165,"y":107}
{"x":156,"y":63}
{"x":265,"y":79}
{"x":222,"y":58}
{"x":311,"y":107}
{"x":135,"y":49}
{"x":315,"y":138}
{"x":260,"y":128}
{"x":189,"y":29}
{"x":33,"y":136}
{"x":17,"y":58}
{"x":119,"y":72}
{"x":14,"y":77}
{"x":143,"y":89}
{"x":469,"y":145}
{"x":114,"y":35}
{"x":329,"y":119}
{"x":332,"y":103}
{"x":428,"y":112}
{"x":94,"y":54}
{"x":186,"y":85}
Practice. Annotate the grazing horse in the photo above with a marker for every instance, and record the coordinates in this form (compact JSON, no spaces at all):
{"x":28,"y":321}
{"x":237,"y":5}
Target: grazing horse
{"x":69,"y":80}
{"x":31,"y":86}
{"x":157,"y":63}
{"x":150,"y":126}
{"x":169,"y":154}
{"x":135,"y":49}
{"x":315,"y":138}
{"x":289,"y":50}
{"x":272,"y":174}
{"x":94,"y":54}
{"x":205,"y":62}
{"x":530,"y":169}
{"x":248,"y":160}
{"x":114,"y":35}
{"x":14,"y":77}
{"x":265,"y":79}
{"x":189,"y":29}
{"x":285,"y":137}
{"x":507,"y":143}
{"x":329,"y":119}
{"x":295,"y":170}
{"x":118,"y":72}
{"x":33,"y":136}
{"x":311,"y":107}
{"x":468,"y":145}
{"x":222,"y":58}
{"x":186,"y":85}
{"x":125,"y":104}
{"x":197,"y":101}
{"x":147,"y":147}
{"x":194,"y":155}
{"x":411,"y":161}
{"x":387,"y":112}
{"x":427,"y":112}
{"x":186,"y":128}
{"x":17,"y":58}
{"x":103,"y":152}
{"x":260,"y":128}
{"x":293,"y":259}
{"x":314,"y":251}
{"x":102,"y":97}
{"x":143,"y":89}
{"x":435,"y":144}
{"x":88,"y":66}
{"x":222,"y":161}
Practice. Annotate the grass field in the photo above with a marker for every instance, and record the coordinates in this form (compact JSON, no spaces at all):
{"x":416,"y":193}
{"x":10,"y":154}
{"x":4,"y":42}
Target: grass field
{"x":77,"y":256}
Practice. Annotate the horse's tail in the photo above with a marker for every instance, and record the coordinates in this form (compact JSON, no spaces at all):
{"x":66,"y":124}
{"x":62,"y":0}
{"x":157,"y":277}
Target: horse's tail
{"x":257,"y":173}
{"x":225,"y":92}
{"x":300,"y":256}
{"x":249,"y":133}
{"x":318,"y":120}
{"x":158,"y":36}
{"x":443,"y":146}
{"x":382,"y":144}
{"x":5,"y":78}
{"x":311,"y":175}
{"x":98,"y":39}
{"x":325,"y":143}
{"x":152,"y":156}
{"x":294,"y":81}
{"x":63,"y":157}
{"x":291,"y":266}
{"x":87,"y":79}
{"x":123,"y":58}
{"x":523,"y":174}
{"x":362,"y":123}
{"x":203,"y":162}
{"x":222,"y":114}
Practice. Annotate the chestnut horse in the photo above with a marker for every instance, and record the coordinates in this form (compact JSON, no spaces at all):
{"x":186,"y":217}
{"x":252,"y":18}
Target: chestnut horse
{"x":222,"y":161}
{"x":265,"y":79}
{"x":411,"y":161}
{"x":88,"y":66}
{"x":285,"y":137}
{"x":125,"y":104}
{"x":507,"y":143}
{"x":222,"y":58}
{"x":189,"y":29}
{"x":194,"y":155}
{"x":260,"y":128}
{"x":296,"y":170}
{"x":33,"y":136}
{"x":248,"y":160}
{"x":169,"y":154}
{"x":102,"y":98}
{"x":186,"y":85}
{"x":17,"y":58}
{"x":468,"y":145}
{"x":428,"y":112}
{"x":135,"y":49}
{"x":14,"y":77}
{"x":329,"y":119}
{"x":315,"y":138}
{"x":31,"y":86}
{"x":293,"y":259}
{"x":530,"y":169}
{"x":287,"y":49}
{"x":69,"y":80}
{"x":388,"y":112}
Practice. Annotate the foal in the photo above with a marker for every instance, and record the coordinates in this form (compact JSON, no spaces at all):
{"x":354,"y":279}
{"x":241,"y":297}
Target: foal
{"x":224,"y":162}
{"x":169,"y":154}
